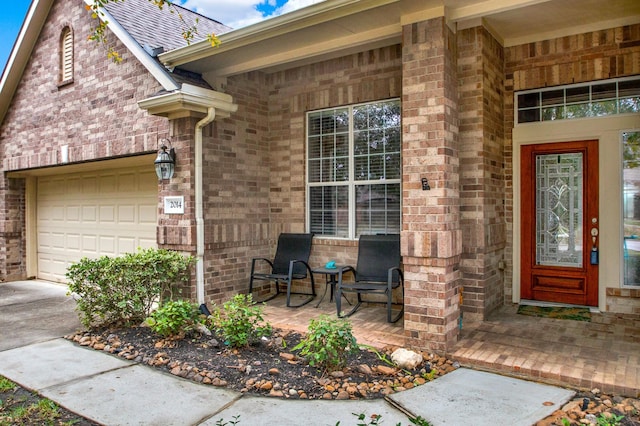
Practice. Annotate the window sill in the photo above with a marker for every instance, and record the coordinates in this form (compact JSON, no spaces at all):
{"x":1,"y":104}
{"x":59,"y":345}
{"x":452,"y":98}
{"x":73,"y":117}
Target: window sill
{"x":65,"y":83}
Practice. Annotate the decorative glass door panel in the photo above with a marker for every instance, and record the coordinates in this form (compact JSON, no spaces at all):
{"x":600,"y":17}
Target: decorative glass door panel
{"x":559,"y":209}
{"x":559,"y":215}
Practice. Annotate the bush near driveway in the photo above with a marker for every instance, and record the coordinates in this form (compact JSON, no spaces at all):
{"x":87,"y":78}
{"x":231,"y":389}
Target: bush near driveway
{"x":122,"y":290}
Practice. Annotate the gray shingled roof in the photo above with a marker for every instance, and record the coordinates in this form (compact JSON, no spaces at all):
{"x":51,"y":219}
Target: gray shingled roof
{"x":149,"y":25}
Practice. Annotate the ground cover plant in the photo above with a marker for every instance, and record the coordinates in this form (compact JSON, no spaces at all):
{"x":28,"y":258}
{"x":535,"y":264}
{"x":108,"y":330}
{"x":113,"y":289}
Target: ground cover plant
{"x":18,"y":406}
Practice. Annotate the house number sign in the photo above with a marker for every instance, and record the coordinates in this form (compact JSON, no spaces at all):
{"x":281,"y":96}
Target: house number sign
{"x":174,"y":205}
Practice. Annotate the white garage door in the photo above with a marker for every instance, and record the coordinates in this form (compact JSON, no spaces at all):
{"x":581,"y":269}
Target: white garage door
{"x":91,"y":214}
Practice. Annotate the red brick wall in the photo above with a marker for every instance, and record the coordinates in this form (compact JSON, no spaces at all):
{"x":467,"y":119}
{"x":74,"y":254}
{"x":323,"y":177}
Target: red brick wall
{"x":236,"y":190}
{"x":481,"y":77}
{"x":96,"y":115}
{"x":257,"y":190}
{"x":431,"y":237}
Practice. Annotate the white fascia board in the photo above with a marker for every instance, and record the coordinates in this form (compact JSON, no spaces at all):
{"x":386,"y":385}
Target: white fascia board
{"x":156,"y":69}
{"x":317,"y":13}
{"x":189,"y":99}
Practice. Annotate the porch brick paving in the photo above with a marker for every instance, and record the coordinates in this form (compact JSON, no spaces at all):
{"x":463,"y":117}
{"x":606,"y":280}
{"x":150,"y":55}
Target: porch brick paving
{"x":604,"y":353}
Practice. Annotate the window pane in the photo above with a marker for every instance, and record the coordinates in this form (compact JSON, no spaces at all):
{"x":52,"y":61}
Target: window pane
{"x":578,"y":110}
{"x":342,"y":145}
{"x":631,"y":208}
{"x":361,"y":142}
{"x":604,"y":108}
{"x":314,"y":123}
{"x":528,"y":100}
{"x":578,"y":94}
{"x":629,"y":105}
{"x":528,"y":116}
{"x":377,"y":209}
{"x":314,"y":170}
{"x":329,"y":211}
{"x":603,"y":91}
{"x":392,"y":166}
{"x":553,"y":97}
{"x":331,"y":148}
{"x":629,"y":88}
{"x":342,"y":121}
{"x":314,"y":147}
{"x":552,"y":113}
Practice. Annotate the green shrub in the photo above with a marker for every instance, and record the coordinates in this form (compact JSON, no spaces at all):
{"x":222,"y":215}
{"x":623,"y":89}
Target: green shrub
{"x":123,"y":289}
{"x":328,"y":343}
{"x":174,"y":318}
{"x":240,"y":321}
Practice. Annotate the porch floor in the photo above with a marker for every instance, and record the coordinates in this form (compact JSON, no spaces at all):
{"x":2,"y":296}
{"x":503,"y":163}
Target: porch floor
{"x":603,"y":353}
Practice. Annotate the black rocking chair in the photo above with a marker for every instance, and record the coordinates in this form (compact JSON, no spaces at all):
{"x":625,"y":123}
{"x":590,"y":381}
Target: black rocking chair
{"x":378,"y":271}
{"x":290,"y":264}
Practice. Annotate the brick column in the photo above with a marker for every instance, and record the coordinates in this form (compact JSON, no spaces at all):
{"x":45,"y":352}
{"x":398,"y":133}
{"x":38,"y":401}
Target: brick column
{"x":431,"y":238}
{"x":482,"y":177}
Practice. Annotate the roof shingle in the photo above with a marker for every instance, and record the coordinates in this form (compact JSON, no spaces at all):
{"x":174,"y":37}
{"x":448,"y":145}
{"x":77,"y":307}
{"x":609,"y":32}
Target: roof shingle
{"x":149,"y":25}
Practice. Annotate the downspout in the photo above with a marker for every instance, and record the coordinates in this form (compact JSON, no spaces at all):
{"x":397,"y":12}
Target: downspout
{"x":211,"y":114}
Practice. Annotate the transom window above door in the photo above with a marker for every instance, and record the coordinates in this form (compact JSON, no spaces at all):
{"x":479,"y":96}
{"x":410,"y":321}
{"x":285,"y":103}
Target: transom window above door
{"x":354,"y":170}
{"x":594,"y":99}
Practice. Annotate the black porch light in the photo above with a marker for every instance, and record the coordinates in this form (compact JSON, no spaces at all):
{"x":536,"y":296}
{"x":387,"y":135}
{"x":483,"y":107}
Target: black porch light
{"x":165,"y":163}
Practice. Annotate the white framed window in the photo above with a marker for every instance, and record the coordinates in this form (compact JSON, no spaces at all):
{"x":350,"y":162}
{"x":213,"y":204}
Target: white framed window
{"x":354,"y":170}
{"x":66,"y":55}
{"x":595,"y":99}
{"x":631,"y":208}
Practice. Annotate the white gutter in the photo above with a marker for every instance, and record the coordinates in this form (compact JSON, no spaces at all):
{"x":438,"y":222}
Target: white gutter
{"x":156,"y":69}
{"x":211,"y":114}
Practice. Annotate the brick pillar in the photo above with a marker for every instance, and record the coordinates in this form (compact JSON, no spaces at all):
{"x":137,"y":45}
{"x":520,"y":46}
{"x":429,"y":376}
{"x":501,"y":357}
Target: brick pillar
{"x":12,"y":229}
{"x":178,"y":231}
{"x":482,"y":188}
{"x":431,"y":237}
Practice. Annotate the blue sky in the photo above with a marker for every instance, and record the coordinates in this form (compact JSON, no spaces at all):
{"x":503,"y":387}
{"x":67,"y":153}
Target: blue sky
{"x":11,"y":16}
{"x":234,"y":13}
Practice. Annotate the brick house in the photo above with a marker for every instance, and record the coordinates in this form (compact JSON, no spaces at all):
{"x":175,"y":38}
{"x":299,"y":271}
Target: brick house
{"x":521,"y":118}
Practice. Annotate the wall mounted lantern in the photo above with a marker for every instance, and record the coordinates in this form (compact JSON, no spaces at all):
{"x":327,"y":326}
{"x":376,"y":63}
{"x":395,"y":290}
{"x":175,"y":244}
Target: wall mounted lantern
{"x":165,"y":162}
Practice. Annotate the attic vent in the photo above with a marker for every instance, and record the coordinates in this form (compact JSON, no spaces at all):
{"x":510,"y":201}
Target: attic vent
{"x":66,"y":55}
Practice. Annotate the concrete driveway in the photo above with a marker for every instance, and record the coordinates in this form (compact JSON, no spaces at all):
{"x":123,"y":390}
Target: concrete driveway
{"x":34,"y":311}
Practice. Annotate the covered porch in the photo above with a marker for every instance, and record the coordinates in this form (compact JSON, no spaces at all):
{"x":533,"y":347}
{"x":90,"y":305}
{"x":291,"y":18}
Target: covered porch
{"x":603,"y":353}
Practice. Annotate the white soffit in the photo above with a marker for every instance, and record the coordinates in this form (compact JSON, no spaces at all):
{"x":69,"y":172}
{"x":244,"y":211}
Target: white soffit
{"x":338,"y":27}
{"x":559,"y":18}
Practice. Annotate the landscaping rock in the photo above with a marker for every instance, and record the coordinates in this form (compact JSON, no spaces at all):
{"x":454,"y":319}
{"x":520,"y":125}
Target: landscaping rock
{"x":406,"y":359}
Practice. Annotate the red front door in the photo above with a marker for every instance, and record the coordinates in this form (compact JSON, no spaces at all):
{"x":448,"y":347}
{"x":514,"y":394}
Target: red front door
{"x":560,"y":222}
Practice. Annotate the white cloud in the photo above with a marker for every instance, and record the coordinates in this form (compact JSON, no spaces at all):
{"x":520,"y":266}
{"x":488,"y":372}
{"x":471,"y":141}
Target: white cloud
{"x":292,"y":5}
{"x":240,"y":13}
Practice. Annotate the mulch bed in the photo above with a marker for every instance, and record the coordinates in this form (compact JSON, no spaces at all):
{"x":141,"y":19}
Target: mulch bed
{"x":268,"y":367}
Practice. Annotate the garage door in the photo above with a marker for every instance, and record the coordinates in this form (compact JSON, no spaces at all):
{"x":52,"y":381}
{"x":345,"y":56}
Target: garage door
{"x":92,"y":214}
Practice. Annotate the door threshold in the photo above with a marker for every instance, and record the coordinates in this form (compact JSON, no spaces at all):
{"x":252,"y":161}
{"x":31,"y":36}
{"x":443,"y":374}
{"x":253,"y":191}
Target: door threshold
{"x":542,"y":304}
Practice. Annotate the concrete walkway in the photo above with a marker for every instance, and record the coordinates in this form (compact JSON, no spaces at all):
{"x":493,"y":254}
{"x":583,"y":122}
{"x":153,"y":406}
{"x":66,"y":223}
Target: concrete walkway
{"x":112,"y":391}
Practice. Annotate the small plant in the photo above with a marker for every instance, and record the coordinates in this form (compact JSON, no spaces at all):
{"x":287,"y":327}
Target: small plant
{"x":328,"y":343}
{"x":174,"y":318}
{"x":6,"y":385}
{"x":376,"y":419}
{"x":235,"y":420}
{"x":240,"y":322}
{"x":608,"y":420}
